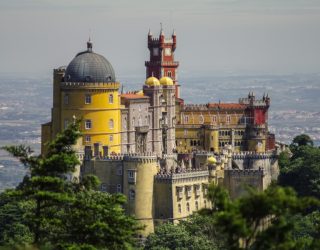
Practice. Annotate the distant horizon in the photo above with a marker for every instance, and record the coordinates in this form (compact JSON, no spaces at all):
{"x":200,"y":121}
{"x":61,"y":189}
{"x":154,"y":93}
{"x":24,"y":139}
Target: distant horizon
{"x":261,"y":37}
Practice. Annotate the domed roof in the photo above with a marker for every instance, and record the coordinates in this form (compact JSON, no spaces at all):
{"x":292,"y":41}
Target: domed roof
{"x":166,"y":81}
{"x":152,"y":81}
{"x":212,"y":160}
{"x":88,"y":66}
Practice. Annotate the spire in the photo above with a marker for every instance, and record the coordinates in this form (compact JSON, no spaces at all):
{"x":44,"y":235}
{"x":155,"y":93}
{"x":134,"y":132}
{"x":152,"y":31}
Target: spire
{"x":174,"y":32}
{"x":161,"y":30}
{"x":149,"y":33}
{"x":89,"y":45}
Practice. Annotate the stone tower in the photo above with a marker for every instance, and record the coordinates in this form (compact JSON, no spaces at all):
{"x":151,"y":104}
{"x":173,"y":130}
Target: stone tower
{"x":161,"y":62}
{"x":153,"y":89}
{"x":258,"y":126}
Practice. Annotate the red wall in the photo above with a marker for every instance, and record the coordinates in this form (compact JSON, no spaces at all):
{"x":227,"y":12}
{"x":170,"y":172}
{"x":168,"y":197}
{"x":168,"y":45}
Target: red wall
{"x":259,"y":116}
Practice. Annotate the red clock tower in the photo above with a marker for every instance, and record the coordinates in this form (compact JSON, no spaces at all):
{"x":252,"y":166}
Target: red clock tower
{"x":161,"y":61}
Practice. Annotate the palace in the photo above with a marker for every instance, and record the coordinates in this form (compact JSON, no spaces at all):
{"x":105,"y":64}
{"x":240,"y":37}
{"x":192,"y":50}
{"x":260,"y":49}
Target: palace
{"x":151,"y":146}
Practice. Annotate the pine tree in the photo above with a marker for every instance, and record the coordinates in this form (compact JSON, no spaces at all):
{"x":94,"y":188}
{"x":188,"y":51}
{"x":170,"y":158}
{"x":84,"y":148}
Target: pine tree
{"x":61,"y":213}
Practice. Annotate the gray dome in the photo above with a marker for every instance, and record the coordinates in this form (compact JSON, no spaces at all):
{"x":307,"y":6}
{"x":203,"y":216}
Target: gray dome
{"x":88,"y":66}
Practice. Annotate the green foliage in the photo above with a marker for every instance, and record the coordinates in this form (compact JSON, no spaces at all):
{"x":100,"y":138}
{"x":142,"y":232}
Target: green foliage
{"x":302,"y":140}
{"x":260,"y":219}
{"x":168,"y":236}
{"x":49,"y":212}
{"x":302,"y":170}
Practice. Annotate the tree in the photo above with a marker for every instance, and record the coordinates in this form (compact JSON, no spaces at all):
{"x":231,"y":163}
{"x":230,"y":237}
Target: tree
{"x":301,"y":171}
{"x":62,"y":214}
{"x":168,"y":236}
{"x":302,"y":140}
{"x":259,"y":220}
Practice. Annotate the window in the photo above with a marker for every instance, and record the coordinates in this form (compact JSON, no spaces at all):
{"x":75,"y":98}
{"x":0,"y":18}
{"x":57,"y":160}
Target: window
{"x":88,"y":124}
{"x":111,"y":98}
{"x":186,"y":119}
{"x":133,"y":122}
{"x":180,"y":192}
{"x":185,"y":132}
{"x":228,"y":118}
{"x":188,"y":191}
{"x":197,"y":205}
{"x":214,"y":119}
{"x":131,"y":176}
{"x":125,"y":123}
{"x":119,"y":170}
{"x":179,"y":208}
{"x":197,"y":189}
{"x":111,"y":138}
{"x":132,"y":194}
{"x":169,"y":73}
{"x":119,"y":188}
{"x":111,"y":125}
{"x":66,"y":99}
{"x":188,"y":207}
{"x":103,"y":187}
{"x":205,"y":204}
{"x":66,"y":122}
{"x":87,"y":99}
{"x":87,"y":138}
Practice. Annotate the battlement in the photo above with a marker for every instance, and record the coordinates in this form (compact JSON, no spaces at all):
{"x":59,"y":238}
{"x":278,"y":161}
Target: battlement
{"x":197,"y":107}
{"x":252,"y":155}
{"x":89,"y":85}
{"x":182,"y":176}
{"x":161,"y":63}
{"x":61,"y":69}
{"x":244,"y":172}
{"x":253,"y":102}
{"x":131,"y":157}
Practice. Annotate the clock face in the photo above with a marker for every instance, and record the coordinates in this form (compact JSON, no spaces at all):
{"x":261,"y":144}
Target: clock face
{"x":167,"y":51}
{"x":155,"y":51}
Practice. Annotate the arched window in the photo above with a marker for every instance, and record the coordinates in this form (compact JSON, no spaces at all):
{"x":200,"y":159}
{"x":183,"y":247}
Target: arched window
{"x":197,"y":205}
{"x":111,"y":124}
{"x":179,"y":208}
{"x":188,"y":207}
{"x":111,"y":98}
{"x":191,"y":143}
{"x":132,"y":194}
{"x":214,"y":119}
{"x":169,"y":73}
{"x":228,"y":119}
{"x":205,"y":204}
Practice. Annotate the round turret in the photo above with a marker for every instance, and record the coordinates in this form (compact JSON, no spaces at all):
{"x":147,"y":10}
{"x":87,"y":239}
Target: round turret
{"x":152,"y":81}
{"x":166,"y":81}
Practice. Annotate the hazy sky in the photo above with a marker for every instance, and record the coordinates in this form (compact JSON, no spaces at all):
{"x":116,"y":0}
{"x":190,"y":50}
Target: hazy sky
{"x":214,"y":36}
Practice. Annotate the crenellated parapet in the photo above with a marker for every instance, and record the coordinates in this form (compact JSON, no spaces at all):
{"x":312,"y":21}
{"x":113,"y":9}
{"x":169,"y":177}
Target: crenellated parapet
{"x":90,"y":85}
{"x":131,"y":157}
{"x":252,"y":155}
{"x":245,"y":172}
{"x":185,"y":176}
{"x":195,"y":107}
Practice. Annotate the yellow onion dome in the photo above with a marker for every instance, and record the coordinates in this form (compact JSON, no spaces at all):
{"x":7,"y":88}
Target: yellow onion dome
{"x":140,"y":92}
{"x":152,"y":81}
{"x":166,"y":81}
{"x":211,"y":160}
